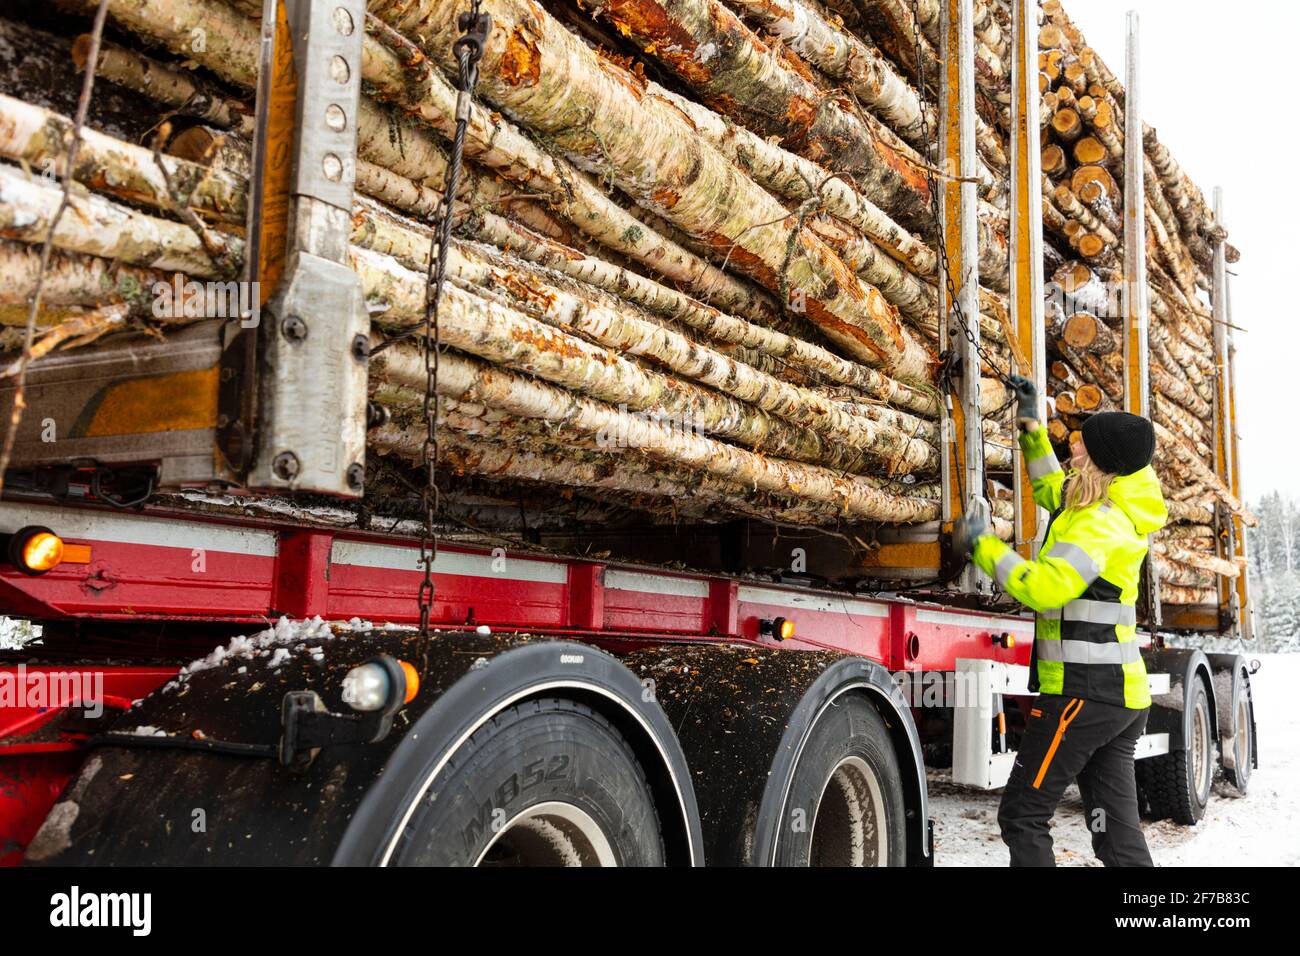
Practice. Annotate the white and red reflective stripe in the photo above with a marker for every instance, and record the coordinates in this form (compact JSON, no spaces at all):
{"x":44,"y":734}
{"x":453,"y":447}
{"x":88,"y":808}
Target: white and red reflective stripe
{"x":406,"y":557}
{"x":797,"y":601}
{"x":123,"y":528}
{"x":645,"y":582}
{"x":1020,"y":625}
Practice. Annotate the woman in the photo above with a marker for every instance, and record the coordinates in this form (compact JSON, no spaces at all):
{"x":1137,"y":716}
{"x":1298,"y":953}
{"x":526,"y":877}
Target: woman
{"x":1093,"y":694}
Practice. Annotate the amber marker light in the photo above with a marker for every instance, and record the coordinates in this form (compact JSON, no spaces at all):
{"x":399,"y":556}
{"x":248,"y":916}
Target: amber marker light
{"x":35,"y":550}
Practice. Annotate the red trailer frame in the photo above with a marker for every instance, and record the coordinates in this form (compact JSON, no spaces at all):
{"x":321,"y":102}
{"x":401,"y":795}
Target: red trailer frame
{"x":162,"y":564}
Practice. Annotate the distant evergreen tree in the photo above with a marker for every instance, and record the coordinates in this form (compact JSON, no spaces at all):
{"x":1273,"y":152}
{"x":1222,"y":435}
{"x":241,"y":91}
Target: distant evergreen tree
{"x":1275,"y":572}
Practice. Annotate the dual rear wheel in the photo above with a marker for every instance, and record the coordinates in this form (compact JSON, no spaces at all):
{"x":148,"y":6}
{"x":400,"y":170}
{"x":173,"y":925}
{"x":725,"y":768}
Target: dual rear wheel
{"x":550,"y":782}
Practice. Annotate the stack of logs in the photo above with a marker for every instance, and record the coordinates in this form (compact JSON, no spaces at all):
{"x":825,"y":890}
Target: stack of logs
{"x":694,"y":272}
{"x":1083,"y":155}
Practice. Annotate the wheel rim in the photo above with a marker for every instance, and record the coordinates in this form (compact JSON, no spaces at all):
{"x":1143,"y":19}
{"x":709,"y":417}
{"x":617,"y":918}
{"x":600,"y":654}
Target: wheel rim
{"x":850,"y":826}
{"x":1241,"y":756}
{"x":549,"y":834}
{"x":1200,"y":752}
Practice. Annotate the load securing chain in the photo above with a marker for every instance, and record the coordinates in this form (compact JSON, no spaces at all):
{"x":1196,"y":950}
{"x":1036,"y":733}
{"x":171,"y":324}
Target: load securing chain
{"x":468,"y":50}
{"x":948,"y":370}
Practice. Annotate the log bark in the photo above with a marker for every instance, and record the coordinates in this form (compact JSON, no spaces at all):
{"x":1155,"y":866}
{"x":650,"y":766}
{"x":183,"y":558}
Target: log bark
{"x":1179,"y":391}
{"x":1087,"y":332}
{"x":1171,"y":594}
{"x":1168,"y":446}
{"x":1198,"y":559}
{"x":733,"y":71}
{"x":863,"y":71}
{"x":787,"y":351}
{"x":799,"y":180}
{"x":230,"y":50}
{"x":71,"y":281}
{"x":465,"y":378}
{"x":1181,"y":575}
{"x":1190,"y":511}
{"x":535,"y":69}
{"x":614,"y":324}
{"x":179,"y":90}
{"x":34,"y":135}
{"x":504,"y":335}
{"x":98,"y":227}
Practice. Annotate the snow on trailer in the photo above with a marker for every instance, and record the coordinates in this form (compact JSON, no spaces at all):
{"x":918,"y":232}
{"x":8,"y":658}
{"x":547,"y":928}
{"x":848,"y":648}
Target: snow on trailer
{"x":712,"y":381}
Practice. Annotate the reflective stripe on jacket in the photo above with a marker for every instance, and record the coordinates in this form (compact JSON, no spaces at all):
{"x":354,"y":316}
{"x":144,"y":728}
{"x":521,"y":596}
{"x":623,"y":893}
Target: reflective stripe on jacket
{"x":1084,"y":584}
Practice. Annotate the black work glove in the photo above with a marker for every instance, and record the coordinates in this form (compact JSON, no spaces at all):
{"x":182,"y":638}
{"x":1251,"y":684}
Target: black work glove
{"x":970,"y":527}
{"x":1026,"y":393}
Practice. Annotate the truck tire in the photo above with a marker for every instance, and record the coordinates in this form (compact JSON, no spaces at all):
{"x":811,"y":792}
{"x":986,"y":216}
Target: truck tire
{"x":1177,"y":784}
{"x":546,"y":782}
{"x":845,"y":803}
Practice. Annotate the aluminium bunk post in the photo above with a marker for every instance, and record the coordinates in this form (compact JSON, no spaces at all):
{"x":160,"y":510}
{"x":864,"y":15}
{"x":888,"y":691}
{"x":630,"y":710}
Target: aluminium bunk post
{"x":1027,"y":250}
{"x":963,"y":458}
{"x":312,"y":327}
{"x":1137,"y":370}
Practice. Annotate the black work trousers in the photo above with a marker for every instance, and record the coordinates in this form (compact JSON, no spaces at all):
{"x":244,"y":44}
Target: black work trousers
{"x":1067,"y":738}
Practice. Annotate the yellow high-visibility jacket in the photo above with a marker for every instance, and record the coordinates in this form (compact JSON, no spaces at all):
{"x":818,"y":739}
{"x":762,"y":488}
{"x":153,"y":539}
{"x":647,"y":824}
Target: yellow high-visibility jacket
{"x":1084,"y":585}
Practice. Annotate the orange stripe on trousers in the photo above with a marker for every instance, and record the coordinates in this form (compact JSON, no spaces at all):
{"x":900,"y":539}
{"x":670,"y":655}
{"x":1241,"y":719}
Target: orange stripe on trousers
{"x":1068,"y":714}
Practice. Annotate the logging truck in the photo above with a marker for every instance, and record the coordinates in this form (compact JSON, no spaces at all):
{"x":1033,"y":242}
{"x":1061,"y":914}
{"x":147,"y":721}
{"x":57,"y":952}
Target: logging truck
{"x":500,"y":433}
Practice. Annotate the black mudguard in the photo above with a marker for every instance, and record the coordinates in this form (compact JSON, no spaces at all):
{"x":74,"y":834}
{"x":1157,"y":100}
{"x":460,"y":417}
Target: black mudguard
{"x":148,"y":806}
{"x":742,"y":714}
{"x":1231,"y":674}
{"x":1184,"y":666}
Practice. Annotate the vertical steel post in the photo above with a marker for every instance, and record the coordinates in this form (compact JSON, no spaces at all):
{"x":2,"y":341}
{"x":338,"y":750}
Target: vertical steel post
{"x":1137,"y":371}
{"x":963,"y":471}
{"x":1245,"y":609}
{"x":1231,"y":537}
{"x":314,"y":330}
{"x":1027,"y":247}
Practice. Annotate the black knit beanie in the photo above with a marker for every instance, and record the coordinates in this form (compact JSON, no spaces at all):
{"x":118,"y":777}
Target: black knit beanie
{"x":1119,"y":443}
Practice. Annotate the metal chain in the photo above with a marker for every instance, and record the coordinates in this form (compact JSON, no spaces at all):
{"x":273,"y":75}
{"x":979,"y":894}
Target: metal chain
{"x":468,"y":49}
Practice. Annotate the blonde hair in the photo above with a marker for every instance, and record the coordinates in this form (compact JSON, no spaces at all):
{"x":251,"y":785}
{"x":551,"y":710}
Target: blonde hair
{"x":1085,"y":484}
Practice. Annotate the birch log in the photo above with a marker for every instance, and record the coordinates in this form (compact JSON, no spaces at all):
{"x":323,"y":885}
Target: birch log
{"x":230,"y":50}
{"x":535,"y":69}
{"x":504,"y":335}
{"x":465,"y":378}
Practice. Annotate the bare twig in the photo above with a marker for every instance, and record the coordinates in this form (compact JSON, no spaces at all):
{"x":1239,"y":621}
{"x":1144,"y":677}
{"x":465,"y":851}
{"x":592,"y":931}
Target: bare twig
{"x":216,"y":248}
{"x":34,"y":307}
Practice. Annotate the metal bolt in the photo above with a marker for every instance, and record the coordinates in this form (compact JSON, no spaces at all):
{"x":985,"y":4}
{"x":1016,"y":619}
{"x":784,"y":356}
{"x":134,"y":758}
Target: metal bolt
{"x":356,"y":476}
{"x":361,"y":348}
{"x":285,"y":465}
{"x":294,"y":328}
{"x":377,"y":415}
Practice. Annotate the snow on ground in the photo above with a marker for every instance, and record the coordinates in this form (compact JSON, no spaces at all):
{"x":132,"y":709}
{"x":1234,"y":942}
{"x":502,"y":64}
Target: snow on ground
{"x":1259,"y":829}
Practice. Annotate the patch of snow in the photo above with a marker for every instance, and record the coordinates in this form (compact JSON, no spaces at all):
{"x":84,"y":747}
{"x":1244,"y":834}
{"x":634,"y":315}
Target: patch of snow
{"x":148,"y":730}
{"x":275,"y":643}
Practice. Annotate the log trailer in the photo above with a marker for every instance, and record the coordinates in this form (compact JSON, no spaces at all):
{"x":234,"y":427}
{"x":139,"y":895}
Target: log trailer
{"x":699,"y":692}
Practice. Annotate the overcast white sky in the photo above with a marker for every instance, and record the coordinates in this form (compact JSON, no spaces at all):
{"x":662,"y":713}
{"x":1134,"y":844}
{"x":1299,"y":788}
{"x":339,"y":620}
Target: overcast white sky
{"x":1216,"y":80}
